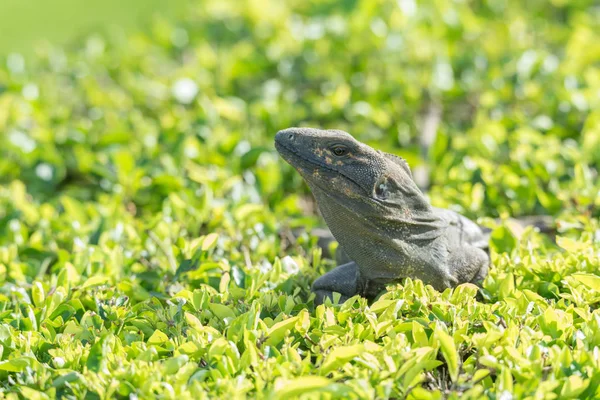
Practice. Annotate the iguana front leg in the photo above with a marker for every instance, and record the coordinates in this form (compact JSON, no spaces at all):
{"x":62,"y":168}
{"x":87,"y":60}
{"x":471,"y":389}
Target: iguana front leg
{"x":341,"y":257}
{"x":342,"y":279}
{"x":469,"y":264}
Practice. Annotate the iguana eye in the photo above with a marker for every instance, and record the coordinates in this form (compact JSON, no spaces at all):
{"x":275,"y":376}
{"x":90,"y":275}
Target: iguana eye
{"x":339,"y":150}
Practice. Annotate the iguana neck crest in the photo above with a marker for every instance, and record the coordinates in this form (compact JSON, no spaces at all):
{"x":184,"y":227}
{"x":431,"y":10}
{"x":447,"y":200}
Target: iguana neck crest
{"x":398,"y":160}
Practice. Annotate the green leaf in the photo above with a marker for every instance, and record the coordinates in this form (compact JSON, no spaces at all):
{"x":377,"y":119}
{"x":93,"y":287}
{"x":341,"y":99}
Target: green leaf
{"x":172,"y":365}
{"x":32,"y":394}
{"x":94,"y":281}
{"x":278,"y":331}
{"x":285,"y":388}
{"x":249,"y":158}
{"x":65,"y":311}
{"x":193,"y":321}
{"x":158,"y":338}
{"x":62,"y":380}
{"x":570,"y":245}
{"x":186,"y":266}
{"x":98,"y":352}
{"x":4,"y":333}
{"x":573,"y":387}
{"x":210,"y":241}
{"x":503,"y":240}
{"x":221,"y":311}
{"x":589,"y":280}
{"x":381,"y":305}
{"x":507,"y":286}
{"x":16,"y":364}
{"x":339,"y":356}
{"x":37,"y":294}
{"x":449,"y":352}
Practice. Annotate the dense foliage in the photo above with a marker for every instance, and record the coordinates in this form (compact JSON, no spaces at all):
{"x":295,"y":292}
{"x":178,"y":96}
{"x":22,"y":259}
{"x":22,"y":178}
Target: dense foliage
{"x":145,"y":218}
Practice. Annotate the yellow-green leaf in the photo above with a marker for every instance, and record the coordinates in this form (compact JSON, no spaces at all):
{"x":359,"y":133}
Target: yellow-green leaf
{"x":589,"y":280}
{"x":570,"y":244}
{"x":278,"y":331}
{"x":94,"y":281}
{"x":449,"y":352}
{"x":158,"y":337}
{"x":210,"y":241}
{"x":285,"y":388}
{"x":573,"y":387}
{"x":340,"y":356}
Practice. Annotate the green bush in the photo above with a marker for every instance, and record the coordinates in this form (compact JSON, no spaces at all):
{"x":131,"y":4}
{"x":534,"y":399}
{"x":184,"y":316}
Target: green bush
{"x":145,"y":216}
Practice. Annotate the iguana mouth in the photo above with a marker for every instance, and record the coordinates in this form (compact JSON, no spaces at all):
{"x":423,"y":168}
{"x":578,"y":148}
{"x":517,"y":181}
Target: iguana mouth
{"x":286,"y":152}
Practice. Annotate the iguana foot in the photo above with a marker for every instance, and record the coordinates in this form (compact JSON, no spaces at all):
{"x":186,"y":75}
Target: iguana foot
{"x":342,"y":279}
{"x":481,"y":274}
{"x":469,"y":264}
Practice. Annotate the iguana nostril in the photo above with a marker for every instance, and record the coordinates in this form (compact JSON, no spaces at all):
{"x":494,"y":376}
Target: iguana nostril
{"x":285,"y":136}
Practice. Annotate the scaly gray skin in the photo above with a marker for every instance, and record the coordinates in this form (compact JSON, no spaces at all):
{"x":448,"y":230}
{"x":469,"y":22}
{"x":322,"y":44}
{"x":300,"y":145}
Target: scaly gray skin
{"x":380,"y":218}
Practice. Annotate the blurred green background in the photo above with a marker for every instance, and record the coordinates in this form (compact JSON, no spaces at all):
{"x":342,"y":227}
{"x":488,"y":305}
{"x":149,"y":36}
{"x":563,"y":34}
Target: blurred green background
{"x":514,"y":85}
{"x":26,"y":23}
{"x":145,"y":217}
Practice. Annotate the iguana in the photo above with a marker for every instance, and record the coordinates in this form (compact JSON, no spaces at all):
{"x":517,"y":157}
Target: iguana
{"x":380,"y":218}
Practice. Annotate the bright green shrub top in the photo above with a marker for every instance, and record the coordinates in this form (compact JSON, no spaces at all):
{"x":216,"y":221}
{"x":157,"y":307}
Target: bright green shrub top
{"x":145,"y":216}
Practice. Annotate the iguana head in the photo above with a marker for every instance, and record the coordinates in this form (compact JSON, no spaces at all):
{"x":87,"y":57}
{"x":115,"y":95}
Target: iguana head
{"x":339,"y":166}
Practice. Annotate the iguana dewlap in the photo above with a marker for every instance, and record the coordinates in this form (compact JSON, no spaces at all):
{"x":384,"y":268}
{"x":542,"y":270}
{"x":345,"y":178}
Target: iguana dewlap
{"x":380,"y":218}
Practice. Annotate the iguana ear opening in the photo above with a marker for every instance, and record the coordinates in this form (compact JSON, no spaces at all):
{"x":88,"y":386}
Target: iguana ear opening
{"x":399,"y":192}
{"x":388,"y":188}
{"x":382,"y":188}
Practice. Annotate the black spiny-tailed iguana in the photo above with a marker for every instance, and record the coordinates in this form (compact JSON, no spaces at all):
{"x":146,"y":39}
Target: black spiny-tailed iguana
{"x":380,"y":218}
